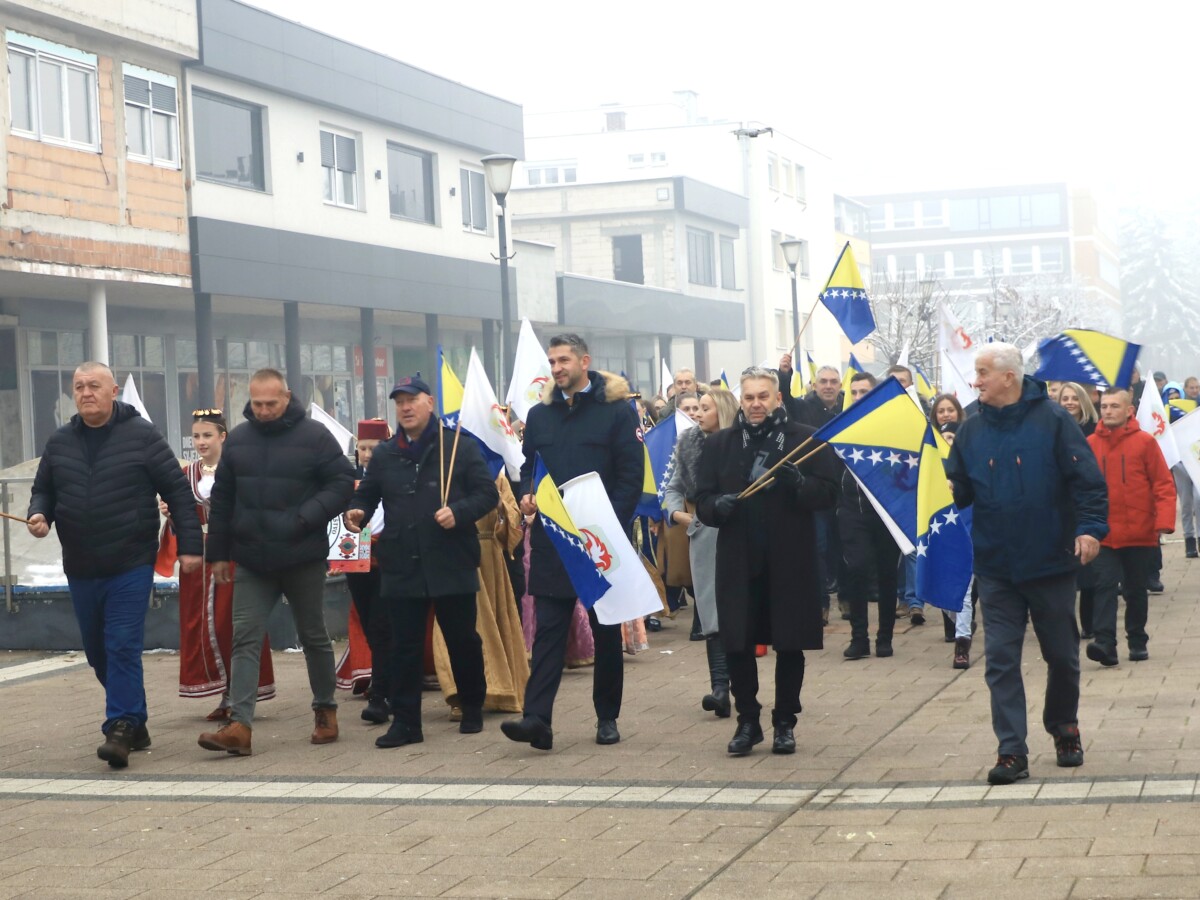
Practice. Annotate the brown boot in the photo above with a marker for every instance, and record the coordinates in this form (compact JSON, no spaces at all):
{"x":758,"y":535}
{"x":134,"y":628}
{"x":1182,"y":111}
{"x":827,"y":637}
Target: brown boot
{"x":325,"y":730}
{"x":962,"y":653}
{"x":232,"y":737}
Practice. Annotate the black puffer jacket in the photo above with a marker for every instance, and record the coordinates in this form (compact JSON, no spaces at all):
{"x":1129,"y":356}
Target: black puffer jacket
{"x":277,"y":487}
{"x":105,"y":509}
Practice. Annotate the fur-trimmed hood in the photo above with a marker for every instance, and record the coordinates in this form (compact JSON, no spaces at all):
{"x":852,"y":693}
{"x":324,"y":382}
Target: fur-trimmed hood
{"x":608,"y":386}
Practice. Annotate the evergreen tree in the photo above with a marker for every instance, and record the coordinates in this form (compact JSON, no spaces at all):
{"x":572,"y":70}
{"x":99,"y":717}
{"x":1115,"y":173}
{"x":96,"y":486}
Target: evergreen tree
{"x":1155,"y":293}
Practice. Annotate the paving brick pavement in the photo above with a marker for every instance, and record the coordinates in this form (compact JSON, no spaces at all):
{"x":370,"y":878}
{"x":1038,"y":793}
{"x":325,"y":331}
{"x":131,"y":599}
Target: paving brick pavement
{"x":884,"y":797}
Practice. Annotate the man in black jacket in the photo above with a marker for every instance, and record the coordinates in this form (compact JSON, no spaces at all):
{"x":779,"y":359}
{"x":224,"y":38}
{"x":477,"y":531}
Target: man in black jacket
{"x":429,"y":553}
{"x":97,"y":480}
{"x":281,"y":479}
{"x":583,"y":424}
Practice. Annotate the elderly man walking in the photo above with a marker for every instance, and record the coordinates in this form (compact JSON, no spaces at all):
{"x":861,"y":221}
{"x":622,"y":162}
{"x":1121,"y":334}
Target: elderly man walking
{"x":281,"y":479}
{"x":1040,"y":511}
{"x":97,"y":481}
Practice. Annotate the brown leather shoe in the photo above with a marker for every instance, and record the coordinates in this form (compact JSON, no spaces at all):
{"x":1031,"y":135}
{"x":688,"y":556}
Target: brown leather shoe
{"x":233,"y":737}
{"x":325,"y":730}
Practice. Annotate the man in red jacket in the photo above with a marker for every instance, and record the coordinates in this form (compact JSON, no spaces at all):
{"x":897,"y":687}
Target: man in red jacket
{"x":1141,"y":506}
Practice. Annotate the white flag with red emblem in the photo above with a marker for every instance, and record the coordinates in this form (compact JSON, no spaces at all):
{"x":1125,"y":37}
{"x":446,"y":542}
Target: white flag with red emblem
{"x":530,"y":372}
{"x":1152,"y":416}
{"x":633,"y":594}
{"x":482,"y":416}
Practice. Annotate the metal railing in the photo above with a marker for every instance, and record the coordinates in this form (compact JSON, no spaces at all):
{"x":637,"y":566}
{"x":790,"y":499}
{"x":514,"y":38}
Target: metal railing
{"x":6,"y":498}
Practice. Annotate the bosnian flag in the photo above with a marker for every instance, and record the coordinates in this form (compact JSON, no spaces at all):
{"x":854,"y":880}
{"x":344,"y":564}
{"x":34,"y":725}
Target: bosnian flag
{"x":586,"y":577}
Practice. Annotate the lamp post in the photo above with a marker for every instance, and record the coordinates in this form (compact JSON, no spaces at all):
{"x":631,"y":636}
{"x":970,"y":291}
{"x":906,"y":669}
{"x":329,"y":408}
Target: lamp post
{"x":499,"y":168}
{"x":791,"y":255}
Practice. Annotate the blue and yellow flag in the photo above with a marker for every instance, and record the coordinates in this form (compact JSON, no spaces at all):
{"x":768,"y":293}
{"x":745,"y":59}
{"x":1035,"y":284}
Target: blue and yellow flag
{"x":450,"y":392}
{"x":1088,"y":357}
{"x":812,"y":368}
{"x":725,"y":381}
{"x":589,"y":584}
{"x":852,"y":368}
{"x":1180,"y":407}
{"x":922,"y":384}
{"x":888,"y":444}
{"x":846,"y":297}
{"x":648,"y":504}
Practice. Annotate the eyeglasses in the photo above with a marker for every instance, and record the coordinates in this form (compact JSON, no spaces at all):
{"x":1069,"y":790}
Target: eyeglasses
{"x":200,"y":413}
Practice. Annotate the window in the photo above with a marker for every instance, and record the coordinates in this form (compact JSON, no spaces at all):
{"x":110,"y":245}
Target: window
{"x":1022,"y":259}
{"x":339,"y":159}
{"x":777,"y":262}
{"x":53,"y":92}
{"x":904,"y":214}
{"x":903,"y":266}
{"x":878,"y":217}
{"x":410,"y":183}
{"x":933,"y":261}
{"x":658,"y":158}
{"x":964,"y":214}
{"x":535,"y":177}
{"x":728,"y":264}
{"x":636,"y":160}
{"x":1005,"y":212}
{"x":627,"y":259}
{"x":151,"y":117}
{"x":614,"y":121}
{"x":701,"y":268}
{"x":551,"y":175}
{"x":802,"y":263}
{"x":473,"y":188}
{"x":931,"y":214}
{"x":569,"y":174}
{"x":1051,"y":257}
{"x":1045,"y":209}
{"x":964,"y":263}
{"x":52,"y":358}
{"x":784,"y":335}
{"x":772,"y":171}
{"x":801,"y":184}
{"x":229,"y":141}
{"x":789,"y":177}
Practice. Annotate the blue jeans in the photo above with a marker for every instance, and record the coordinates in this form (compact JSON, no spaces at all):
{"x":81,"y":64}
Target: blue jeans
{"x":112,"y":622}
{"x":908,"y":583}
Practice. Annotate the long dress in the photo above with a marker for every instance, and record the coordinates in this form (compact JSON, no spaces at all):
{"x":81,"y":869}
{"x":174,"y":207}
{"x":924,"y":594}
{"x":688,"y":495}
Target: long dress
{"x":206,"y":613}
{"x":505,"y":663}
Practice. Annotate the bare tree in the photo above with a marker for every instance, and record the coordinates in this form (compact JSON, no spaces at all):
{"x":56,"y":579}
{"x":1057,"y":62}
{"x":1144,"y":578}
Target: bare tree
{"x":906,"y":312}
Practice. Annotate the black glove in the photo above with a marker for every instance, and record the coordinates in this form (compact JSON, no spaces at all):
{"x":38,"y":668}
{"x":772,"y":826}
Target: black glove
{"x":789,"y":476}
{"x":724,"y":506}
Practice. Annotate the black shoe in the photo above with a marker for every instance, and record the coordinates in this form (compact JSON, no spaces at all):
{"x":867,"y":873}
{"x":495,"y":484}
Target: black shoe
{"x":785,"y":740}
{"x":1068,"y":746}
{"x":472,"y":720}
{"x":857,"y":650}
{"x":606,"y":732}
{"x":747,"y":735}
{"x":1009,"y":768}
{"x":141,"y":739}
{"x":697,"y":636}
{"x":717,"y":702}
{"x":398,"y":736}
{"x":653,"y":624}
{"x":1190,"y":550}
{"x":376,"y":711}
{"x":1087,"y":635}
{"x":917,"y":617}
{"x":118,"y":741}
{"x":1155,"y":586}
{"x":1106,"y":656}
{"x":1136,"y":654}
{"x":528,"y":731}
{"x":883,"y":648}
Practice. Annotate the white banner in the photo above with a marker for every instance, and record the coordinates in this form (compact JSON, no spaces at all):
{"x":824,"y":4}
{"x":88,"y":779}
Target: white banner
{"x":1187,"y":438}
{"x":130,"y":395}
{"x":482,"y":416}
{"x":956,"y":355}
{"x":1152,"y":416}
{"x":531,"y":371}
{"x":633,"y":594}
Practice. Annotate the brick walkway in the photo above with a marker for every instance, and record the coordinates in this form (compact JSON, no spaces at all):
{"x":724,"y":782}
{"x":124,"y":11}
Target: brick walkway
{"x":885,"y":796}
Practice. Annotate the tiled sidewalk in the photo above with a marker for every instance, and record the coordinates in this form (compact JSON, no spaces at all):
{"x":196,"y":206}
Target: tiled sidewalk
{"x":885,"y":796}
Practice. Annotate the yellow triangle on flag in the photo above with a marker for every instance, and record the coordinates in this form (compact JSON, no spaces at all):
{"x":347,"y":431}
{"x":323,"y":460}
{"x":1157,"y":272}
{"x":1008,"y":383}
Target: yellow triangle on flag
{"x":846,"y":274}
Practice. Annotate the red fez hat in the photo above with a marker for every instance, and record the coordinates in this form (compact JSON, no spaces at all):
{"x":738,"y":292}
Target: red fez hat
{"x":373,"y":430}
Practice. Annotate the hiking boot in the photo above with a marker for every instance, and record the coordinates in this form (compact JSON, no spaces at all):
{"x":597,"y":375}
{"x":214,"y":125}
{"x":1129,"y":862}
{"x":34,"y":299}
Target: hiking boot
{"x":1106,"y":656}
{"x":785,"y":740}
{"x":902,"y":610}
{"x":1189,"y":545}
{"x":962,"y":653}
{"x":1068,"y":745}
{"x":399,"y":735}
{"x":232,"y":737}
{"x":472,"y":720}
{"x":857,"y":650}
{"x":747,"y":735}
{"x":717,"y":702}
{"x":883,"y":648}
{"x":1136,"y":654}
{"x":1155,"y":585}
{"x":1009,"y":769}
{"x":325,"y":727}
{"x":917,"y":616}
{"x":376,"y":712}
{"x":118,"y":741}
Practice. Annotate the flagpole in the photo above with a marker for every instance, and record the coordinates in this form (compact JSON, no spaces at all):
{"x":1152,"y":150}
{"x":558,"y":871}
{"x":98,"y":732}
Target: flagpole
{"x":4,"y":515}
{"x":760,"y":484}
{"x":453,"y":453}
{"x":807,"y":319}
{"x":757,"y":483}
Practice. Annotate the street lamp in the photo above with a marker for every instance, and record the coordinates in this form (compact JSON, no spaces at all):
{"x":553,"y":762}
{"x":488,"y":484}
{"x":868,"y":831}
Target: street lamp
{"x":791,"y":255}
{"x":499,"y":169}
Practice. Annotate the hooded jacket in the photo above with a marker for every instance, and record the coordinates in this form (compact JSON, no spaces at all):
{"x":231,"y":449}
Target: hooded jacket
{"x":596,"y":432}
{"x":104,"y":508}
{"x":1034,"y":483}
{"x":277,"y":487}
{"x":1141,"y":490}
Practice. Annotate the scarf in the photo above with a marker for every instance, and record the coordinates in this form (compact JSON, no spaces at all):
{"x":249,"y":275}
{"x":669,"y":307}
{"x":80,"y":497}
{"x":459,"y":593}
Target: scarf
{"x":414,"y":450}
{"x":762,"y":444}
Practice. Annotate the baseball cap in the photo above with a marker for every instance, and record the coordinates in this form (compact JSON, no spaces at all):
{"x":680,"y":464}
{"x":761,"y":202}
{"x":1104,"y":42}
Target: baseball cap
{"x":407,"y":385}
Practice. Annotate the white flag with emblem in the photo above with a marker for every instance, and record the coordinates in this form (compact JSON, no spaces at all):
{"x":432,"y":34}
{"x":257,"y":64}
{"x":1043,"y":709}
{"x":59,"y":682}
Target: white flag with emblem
{"x":482,"y":416}
{"x":530,"y":372}
{"x":633,"y":594}
{"x":956,"y":355}
{"x":1152,"y":416}
{"x":130,"y":395}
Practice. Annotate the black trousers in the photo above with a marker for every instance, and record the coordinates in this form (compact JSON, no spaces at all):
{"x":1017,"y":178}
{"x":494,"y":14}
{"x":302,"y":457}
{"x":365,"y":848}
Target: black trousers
{"x":789,"y":679}
{"x":373,"y":616}
{"x":1131,"y":567}
{"x":456,"y":617}
{"x":872,"y":557}
{"x":554,"y":616}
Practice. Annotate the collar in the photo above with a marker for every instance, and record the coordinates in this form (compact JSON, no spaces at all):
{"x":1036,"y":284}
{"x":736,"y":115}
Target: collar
{"x":584,"y":390}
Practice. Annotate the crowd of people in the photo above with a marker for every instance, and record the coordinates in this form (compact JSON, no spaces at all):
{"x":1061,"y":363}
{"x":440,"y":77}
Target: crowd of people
{"x":466,"y":589}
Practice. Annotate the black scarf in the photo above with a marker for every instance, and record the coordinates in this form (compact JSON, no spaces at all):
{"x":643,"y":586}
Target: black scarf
{"x":762,"y":444}
{"x":415,"y":449}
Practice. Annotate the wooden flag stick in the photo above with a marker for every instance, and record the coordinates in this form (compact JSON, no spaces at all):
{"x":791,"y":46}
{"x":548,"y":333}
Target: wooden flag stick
{"x":453,"y":453}
{"x":767,"y":474}
{"x":808,"y":319}
{"x":752,"y":490}
{"x":441,"y":462}
{"x":5,"y":515}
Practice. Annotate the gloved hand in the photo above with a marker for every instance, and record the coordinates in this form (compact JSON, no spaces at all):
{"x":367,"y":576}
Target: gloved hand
{"x":789,"y":476}
{"x":724,"y":507}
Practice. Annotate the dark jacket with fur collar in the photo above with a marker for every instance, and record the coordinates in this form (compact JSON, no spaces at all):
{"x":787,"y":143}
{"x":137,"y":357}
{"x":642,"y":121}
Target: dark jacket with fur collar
{"x":596,"y":432}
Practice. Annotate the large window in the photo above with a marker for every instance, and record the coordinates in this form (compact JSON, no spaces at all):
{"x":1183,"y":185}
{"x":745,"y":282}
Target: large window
{"x":229,"y":141}
{"x":1021,"y":256}
{"x":701,"y":265}
{"x":964,"y":263}
{"x":728,"y":264}
{"x":1051,"y":258}
{"x":53,"y":92}
{"x":904,"y":214}
{"x":410,"y":183}
{"x":141,"y":356}
{"x":52,"y":358}
{"x":473,"y":187}
{"x":339,"y":164}
{"x":151,"y":117}
{"x":931,"y":214}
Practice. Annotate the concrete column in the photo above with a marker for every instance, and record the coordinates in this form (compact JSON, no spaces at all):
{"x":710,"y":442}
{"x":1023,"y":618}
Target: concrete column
{"x":489,"y":352}
{"x":98,"y":322}
{"x":631,"y":363}
{"x":432,"y":339}
{"x":291,"y":348}
{"x":366,"y":322}
{"x":701,"y":353}
{"x":664,"y":350}
{"x":206,"y":377}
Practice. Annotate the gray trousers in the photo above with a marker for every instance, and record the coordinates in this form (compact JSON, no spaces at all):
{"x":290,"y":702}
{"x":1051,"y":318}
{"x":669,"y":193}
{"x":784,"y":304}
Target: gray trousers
{"x":1186,"y":492}
{"x":1050,"y":604}
{"x":254,"y":597}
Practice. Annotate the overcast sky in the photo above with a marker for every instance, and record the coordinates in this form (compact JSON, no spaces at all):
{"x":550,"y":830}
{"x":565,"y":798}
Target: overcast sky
{"x":922,"y":95}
